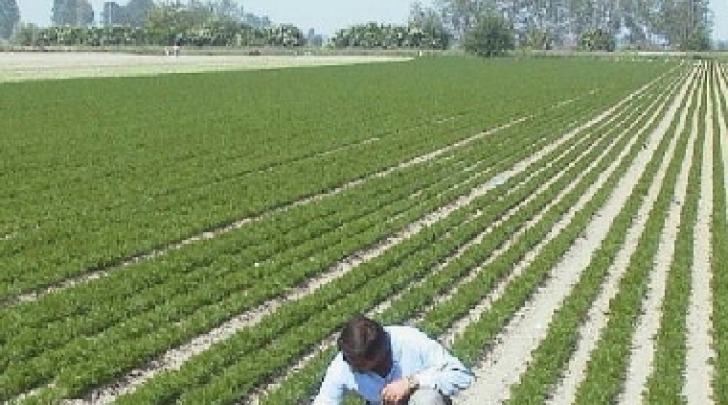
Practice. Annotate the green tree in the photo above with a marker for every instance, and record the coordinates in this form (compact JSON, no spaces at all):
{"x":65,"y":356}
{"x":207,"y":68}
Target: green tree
{"x":698,"y":40}
{"x":432,"y":30}
{"x":226,"y":10}
{"x":598,"y":40}
{"x":461,"y":15}
{"x":9,"y":17}
{"x":491,"y":36}
{"x":77,"y":13}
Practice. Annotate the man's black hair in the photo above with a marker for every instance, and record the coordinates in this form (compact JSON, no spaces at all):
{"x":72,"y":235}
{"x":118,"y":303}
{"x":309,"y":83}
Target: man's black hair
{"x":362,"y":337}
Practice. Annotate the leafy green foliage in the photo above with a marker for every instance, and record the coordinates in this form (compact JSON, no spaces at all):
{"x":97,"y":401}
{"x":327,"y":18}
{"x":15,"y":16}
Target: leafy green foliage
{"x":75,"y":13}
{"x":133,"y":14}
{"x":641,"y":23}
{"x":698,"y":40}
{"x":387,"y":36}
{"x":491,"y":36}
{"x":598,"y":40}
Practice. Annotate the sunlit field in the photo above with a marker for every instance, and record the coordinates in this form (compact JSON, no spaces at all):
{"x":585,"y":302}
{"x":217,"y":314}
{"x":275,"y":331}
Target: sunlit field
{"x":201,"y":236}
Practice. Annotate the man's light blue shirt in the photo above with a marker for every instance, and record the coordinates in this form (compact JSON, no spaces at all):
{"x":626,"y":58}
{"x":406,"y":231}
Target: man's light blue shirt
{"x":413,"y":353}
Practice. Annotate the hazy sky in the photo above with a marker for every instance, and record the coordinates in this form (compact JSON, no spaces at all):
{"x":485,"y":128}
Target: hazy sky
{"x":326,"y":16}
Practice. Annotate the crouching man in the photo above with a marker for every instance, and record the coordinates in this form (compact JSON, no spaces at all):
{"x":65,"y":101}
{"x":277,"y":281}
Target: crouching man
{"x":392,"y":365}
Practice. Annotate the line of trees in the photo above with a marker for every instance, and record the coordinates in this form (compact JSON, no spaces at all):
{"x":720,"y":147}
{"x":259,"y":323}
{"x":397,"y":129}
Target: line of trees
{"x":543,"y":24}
{"x":208,"y":35}
{"x":144,"y":22}
{"x":491,"y":26}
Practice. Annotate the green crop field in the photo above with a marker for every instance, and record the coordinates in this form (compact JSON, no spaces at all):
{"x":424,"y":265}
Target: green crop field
{"x":200,"y":238}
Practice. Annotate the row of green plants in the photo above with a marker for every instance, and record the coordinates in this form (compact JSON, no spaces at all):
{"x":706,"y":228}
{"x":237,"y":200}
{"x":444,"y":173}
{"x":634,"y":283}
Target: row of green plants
{"x":472,"y":293}
{"x":719,"y":241}
{"x":299,"y":387}
{"x":409,"y":304}
{"x":474,"y":340}
{"x":254,"y":368}
{"x":274,"y":246}
{"x":79,"y":324}
{"x":611,"y":140}
{"x":667,"y":379}
{"x":90,"y":341}
{"x":218,"y":165}
{"x":173,"y":304}
{"x":554,"y":352}
{"x":608,"y":363}
{"x":197,"y":184}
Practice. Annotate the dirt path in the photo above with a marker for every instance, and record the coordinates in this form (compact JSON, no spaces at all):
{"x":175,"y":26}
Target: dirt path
{"x":511,"y":352}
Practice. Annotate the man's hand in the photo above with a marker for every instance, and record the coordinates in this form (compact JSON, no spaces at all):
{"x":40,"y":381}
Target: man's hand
{"x":396,"y":391}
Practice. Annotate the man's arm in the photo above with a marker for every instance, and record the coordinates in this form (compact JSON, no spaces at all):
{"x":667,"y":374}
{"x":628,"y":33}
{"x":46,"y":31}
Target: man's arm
{"x":443,"y":371}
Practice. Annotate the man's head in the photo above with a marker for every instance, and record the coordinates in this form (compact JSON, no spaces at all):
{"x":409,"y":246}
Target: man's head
{"x":365,"y":345}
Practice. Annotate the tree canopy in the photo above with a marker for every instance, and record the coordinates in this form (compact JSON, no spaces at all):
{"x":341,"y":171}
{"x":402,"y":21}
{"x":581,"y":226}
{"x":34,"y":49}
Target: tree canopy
{"x":133,"y":14}
{"x":534,"y":24}
{"x":546,"y":23}
{"x":76,"y":13}
{"x":491,"y":36}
